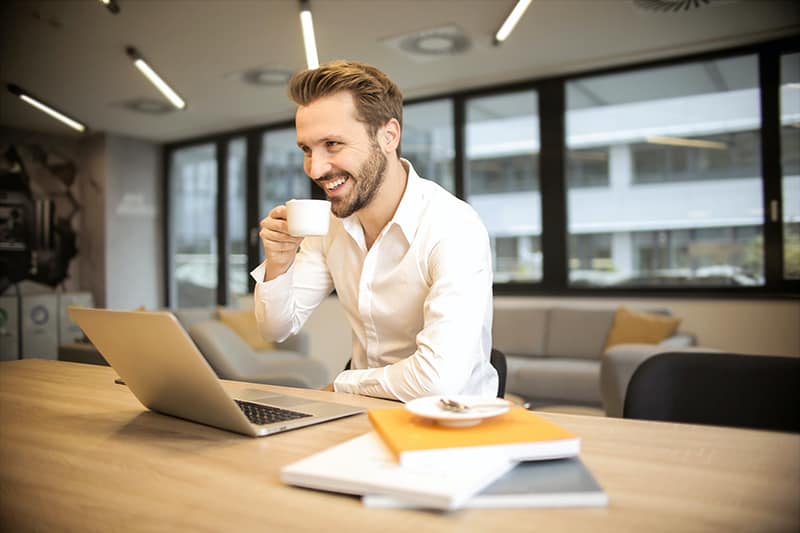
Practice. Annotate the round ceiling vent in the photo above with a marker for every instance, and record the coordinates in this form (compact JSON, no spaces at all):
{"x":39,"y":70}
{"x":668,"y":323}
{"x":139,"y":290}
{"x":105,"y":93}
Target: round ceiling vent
{"x":670,"y":5}
{"x":148,"y":106}
{"x":264,"y":76}
{"x":435,"y":44}
{"x":431,"y":44}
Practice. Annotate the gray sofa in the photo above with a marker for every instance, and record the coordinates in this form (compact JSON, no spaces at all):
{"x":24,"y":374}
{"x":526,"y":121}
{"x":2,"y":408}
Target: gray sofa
{"x":554,"y":352}
{"x":232,"y":358}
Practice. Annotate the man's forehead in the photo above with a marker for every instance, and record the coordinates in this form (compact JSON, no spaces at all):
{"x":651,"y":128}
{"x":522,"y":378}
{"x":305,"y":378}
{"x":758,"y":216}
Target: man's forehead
{"x":326,"y":118}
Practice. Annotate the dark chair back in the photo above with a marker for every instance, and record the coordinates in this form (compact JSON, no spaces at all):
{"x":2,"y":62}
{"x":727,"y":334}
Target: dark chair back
{"x":751,"y":391}
{"x":498,"y":360}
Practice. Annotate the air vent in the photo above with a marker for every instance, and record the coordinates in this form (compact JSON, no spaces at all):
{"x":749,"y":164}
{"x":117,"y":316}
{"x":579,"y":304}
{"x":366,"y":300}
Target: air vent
{"x":147,"y":106}
{"x":268,"y":76}
{"x":431,"y":44}
{"x":661,"y":6}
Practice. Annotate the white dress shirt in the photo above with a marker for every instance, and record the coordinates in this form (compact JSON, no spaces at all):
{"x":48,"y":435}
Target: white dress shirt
{"x":419,"y":300}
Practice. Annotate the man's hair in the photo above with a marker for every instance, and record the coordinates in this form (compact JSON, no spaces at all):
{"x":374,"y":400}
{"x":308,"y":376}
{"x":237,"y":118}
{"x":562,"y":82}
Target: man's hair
{"x":377,"y":98}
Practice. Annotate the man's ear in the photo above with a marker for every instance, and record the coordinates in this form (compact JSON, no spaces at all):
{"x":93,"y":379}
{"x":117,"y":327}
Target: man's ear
{"x":389,"y":136}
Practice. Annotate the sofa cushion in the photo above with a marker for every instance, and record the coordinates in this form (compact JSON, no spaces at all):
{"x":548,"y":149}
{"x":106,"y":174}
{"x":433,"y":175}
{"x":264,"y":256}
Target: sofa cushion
{"x":555,"y":380}
{"x":520,"y":331}
{"x":637,"y":327}
{"x":578,"y":332}
{"x":243,"y":322}
{"x":189,"y":316}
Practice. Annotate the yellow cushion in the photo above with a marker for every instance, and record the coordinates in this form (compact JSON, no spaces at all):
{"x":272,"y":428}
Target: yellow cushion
{"x":635,"y":327}
{"x":243,"y":322}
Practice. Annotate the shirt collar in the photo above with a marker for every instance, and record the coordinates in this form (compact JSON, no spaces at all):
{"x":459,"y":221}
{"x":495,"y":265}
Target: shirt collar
{"x":408,"y":212}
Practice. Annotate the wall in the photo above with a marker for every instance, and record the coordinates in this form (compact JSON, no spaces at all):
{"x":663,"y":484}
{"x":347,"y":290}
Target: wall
{"x":117,"y":190}
{"x":134,"y":221}
{"x":53,"y":166}
{"x":744,"y":326}
{"x":92,"y":234}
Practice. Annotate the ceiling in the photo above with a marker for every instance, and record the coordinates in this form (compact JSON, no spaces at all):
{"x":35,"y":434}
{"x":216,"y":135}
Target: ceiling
{"x":71,"y":53}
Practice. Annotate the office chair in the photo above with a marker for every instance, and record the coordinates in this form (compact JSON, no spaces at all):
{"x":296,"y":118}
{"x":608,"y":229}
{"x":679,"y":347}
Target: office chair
{"x":750,"y":391}
{"x":498,"y":360}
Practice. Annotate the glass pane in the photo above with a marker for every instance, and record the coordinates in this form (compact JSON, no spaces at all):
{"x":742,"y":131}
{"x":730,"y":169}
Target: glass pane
{"x":428,"y":141}
{"x":790,"y":163}
{"x":193,"y":246}
{"x":281,"y":175}
{"x":237,"y":220}
{"x":664,"y":184}
{"x":502,"y":180}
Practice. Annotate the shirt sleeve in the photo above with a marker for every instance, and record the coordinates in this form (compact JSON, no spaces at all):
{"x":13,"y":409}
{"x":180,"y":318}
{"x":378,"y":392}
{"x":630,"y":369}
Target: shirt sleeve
{"x":283,"y":304}
{"x":454,"y":345}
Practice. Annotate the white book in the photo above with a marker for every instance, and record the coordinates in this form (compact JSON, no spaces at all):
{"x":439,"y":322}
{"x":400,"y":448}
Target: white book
{"x":554,"y":483}
{"x":364,"y":465}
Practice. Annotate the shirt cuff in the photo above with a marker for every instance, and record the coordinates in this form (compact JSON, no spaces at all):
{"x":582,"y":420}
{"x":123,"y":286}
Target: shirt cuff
{"x":369,"y":382}
{"x":280,"y":285}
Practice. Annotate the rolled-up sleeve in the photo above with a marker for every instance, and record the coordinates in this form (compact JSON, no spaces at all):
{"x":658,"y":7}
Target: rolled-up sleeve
{"x":283,"y":304}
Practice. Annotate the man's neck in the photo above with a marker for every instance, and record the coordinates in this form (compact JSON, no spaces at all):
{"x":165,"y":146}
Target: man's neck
{"x":380,"y":211}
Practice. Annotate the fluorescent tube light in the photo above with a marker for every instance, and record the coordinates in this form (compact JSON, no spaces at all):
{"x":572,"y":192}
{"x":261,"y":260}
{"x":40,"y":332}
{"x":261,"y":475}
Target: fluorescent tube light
{"x":26,"y":97}
{"x":511,"y":21}
{"x":155,"y":79}
{"x":693,"y":143}
{"x":309,"y":41}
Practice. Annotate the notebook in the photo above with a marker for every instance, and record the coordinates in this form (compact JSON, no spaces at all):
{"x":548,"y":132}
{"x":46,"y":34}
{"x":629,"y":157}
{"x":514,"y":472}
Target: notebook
{"x":364,"y":465}
{"x":166,"y":372}
{"x":553,"y":483}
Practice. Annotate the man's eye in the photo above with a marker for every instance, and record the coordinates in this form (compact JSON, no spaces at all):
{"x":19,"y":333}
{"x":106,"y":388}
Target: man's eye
{"x":332,"y":144}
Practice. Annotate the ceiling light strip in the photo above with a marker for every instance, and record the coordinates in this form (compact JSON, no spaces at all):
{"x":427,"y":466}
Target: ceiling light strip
{"x":309,"y":41}
{"x":26,"y":97}
{"x":692,"y":143}
{"x":511,"y":21}
{"x":155,"y":79}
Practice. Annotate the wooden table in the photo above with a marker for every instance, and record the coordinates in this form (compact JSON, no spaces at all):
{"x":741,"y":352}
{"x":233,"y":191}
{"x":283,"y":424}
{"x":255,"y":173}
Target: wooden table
{"x":79,"y":453}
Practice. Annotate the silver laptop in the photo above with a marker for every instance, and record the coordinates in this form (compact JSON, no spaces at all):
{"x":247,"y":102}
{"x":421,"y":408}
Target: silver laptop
{"x":163,"y":368}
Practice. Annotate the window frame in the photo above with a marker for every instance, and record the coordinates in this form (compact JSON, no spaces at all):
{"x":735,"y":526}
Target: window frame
{"x":552,"y":162}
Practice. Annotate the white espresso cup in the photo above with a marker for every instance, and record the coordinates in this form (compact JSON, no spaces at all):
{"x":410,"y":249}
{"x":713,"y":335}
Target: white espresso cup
{"x":308,"y":217}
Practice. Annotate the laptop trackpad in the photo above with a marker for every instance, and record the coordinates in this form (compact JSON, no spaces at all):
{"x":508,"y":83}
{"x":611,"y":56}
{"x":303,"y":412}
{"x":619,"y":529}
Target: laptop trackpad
{"x":281,"y":400}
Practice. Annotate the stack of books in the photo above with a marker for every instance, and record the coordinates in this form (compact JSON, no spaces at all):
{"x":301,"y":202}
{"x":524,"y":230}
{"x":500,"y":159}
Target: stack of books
{"x":517,"y":459}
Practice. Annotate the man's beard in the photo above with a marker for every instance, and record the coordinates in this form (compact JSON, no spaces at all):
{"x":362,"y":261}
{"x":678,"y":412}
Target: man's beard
{"x":367,"y":181}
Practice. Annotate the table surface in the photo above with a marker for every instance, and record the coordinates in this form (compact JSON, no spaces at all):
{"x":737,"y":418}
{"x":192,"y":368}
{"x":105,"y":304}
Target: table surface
{"x":79,"y":453}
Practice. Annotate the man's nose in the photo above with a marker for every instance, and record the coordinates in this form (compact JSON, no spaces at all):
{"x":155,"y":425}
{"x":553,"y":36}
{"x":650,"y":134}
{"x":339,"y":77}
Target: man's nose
{"x":318,"y":166}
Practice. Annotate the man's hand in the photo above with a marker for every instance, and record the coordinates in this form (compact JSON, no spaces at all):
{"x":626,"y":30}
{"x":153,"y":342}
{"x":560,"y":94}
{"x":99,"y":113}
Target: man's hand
{"x":280,"y":248}
{"x":329,"y":388}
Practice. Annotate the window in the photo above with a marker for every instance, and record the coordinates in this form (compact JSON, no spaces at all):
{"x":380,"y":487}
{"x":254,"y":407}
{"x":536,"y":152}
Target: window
{"x":644,"y":177}
{"x":237,"y":219}
{"x":587,"y":167}
{"x":281,"y":175}
{"x":193,"y":231}
{"x":681,"y":201}
{"x":790,"y":163}
{"x":428,"y":141}
{"x":502,"y":179}
{"x":707,"y":157}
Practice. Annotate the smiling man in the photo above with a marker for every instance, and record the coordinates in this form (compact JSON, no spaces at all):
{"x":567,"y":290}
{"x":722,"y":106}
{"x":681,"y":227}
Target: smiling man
{"x":410,"y":263}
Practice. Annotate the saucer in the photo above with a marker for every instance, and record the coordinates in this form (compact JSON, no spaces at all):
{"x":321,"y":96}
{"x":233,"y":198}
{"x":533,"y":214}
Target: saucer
{"x":429,"y":407}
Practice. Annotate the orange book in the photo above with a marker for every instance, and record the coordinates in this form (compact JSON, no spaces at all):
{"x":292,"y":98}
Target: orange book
{"x":519,"y":434}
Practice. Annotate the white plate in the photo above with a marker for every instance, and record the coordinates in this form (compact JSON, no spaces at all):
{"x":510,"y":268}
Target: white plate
{"x":429,"y":407}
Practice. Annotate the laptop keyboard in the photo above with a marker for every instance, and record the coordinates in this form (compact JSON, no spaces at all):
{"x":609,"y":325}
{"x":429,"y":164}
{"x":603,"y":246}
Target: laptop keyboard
{"x":266,"y":414}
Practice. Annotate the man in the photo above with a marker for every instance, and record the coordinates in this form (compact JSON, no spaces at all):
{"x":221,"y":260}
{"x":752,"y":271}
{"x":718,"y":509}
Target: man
{"x":410,"y":263}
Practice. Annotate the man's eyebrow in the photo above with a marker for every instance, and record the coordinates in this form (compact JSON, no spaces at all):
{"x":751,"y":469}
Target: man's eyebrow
{"x":321,"y":140}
